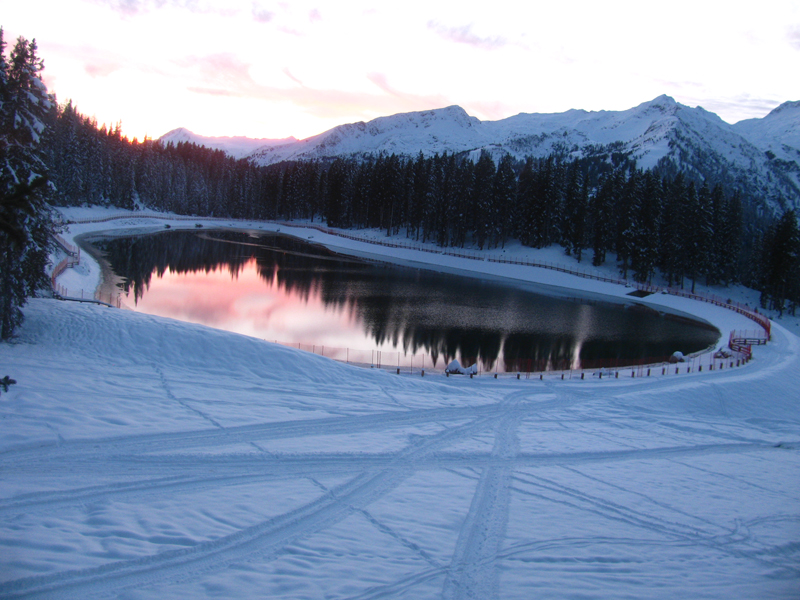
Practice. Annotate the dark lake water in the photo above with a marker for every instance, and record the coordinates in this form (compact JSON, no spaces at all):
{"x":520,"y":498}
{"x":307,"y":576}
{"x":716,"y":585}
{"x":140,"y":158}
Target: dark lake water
{"x":282,"y":289}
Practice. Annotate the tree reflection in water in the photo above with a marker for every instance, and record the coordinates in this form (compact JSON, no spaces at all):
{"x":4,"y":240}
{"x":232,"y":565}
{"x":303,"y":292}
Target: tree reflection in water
{"x":411,"y":310}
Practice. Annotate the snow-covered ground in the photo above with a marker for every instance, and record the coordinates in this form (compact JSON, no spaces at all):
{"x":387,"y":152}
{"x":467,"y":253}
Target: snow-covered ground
{"x":147,"y":458}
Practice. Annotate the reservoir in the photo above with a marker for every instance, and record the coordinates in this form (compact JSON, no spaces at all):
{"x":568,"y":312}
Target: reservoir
{"x":285,"y":290}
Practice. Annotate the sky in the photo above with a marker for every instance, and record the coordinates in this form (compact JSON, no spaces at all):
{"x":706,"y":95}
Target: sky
{"x":266,"y":69}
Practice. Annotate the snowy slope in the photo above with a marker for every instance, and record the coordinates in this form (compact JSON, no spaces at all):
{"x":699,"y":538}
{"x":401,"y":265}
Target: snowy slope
{"x":238,"y":146}
{"x":778,"y":135}
{"x":660,"y":131}
{"x":442,"y":130}
{"x":779,"y":129}
{"x":146,"y":458}
{"x":154,"y":459}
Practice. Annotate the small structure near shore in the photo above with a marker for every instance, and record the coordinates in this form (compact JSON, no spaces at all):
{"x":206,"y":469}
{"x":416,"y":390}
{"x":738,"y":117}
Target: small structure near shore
{"x":455,"y":368}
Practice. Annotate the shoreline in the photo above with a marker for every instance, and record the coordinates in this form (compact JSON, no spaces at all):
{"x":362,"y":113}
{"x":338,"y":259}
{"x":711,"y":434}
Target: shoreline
{"x":536,"y":279}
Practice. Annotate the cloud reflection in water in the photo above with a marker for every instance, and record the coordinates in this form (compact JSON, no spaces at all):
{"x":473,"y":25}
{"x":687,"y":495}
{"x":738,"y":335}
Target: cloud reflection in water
{"x":281,"y":289}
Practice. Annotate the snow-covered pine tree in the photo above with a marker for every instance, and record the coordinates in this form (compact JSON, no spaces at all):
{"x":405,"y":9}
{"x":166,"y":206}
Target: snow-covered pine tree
{"x":626,"y":213}
{"x":576,"y":201}
{"x":504,"y":191}
{"x":24,"y":216}
{"x":465,"y":180}
{"x":483,"y":192}
{"x":672,"y":249}
{"x":601,"y":214}
{"x":647,"y":213}
{"x":731,"y":234}
{"x":780,"y":264}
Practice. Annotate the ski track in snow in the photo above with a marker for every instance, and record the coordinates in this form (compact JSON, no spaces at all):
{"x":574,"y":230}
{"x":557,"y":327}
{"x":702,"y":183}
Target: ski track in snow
{"x":264,"y":539}
{"x":473,"y":569}
{"x":670,"y":487}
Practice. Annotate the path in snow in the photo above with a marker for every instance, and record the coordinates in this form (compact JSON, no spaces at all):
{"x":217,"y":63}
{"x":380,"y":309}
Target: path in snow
{"x":145,"y":458}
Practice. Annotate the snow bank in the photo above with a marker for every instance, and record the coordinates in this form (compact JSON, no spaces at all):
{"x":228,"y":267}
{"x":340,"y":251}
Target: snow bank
{"x":146,"y":458}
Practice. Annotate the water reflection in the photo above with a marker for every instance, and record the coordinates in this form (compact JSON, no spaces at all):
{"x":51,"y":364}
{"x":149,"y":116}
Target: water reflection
{"x":280,"y":288}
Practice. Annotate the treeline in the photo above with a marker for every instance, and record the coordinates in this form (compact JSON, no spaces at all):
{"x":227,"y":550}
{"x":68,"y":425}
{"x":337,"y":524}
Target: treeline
{"x":25,"y":222}
{"x":593,"y":207}
{"x":672,"y":224}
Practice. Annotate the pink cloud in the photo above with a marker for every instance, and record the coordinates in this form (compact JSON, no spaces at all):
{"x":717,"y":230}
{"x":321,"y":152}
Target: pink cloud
{"x":223,"y":72}
{"x":226,"y":75}
{"x":290,"y":31}
{"x":464,"y":35}
{"x":262,"y":15}
{"x":793,"y":34}
{"x":100,"y":63}
{"x":130,"y":8}
{"x":290,"y":76}
{"x":213,"y":91}
{"x":489,"y":111}
{"x":413,"y":100}
{"x":101,"y":68}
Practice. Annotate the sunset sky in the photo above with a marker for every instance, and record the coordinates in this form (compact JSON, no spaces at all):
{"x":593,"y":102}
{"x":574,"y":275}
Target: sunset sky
{"x":276,"y":69}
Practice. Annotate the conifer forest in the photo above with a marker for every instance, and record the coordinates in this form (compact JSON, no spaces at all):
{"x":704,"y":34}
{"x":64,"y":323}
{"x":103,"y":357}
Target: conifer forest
{"x":651,"y":223}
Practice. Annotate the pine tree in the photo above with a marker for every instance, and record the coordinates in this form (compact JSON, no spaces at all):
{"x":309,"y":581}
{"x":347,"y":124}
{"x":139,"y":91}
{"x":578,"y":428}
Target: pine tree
{"x":544,"y":207}
{"x":525,"y":191}
{"x":647,"y":212}
{"x":504,"y":192}
{"x":780,"y":263}
{"x":576,"y":200}
{"x":483,"y":191}
{"x":626,"y":215}
{"x":463,"y":186}
{"x":601,"y":222}
{"x":672,"y":240}
{"x":24,"y":216}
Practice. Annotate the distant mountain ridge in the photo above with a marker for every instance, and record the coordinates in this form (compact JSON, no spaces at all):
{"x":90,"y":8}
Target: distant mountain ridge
{"x":760,"y":156}
{"x":237,"y":146}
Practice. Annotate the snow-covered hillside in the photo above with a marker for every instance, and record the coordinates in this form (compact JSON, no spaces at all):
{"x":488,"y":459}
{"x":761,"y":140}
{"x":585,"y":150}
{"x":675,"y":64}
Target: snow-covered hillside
{"x":778,"y":135}
{"x":661,"y":131}
{"x":146,"y":458}
{"x":759,"y":156}
{"x":238,"y":146}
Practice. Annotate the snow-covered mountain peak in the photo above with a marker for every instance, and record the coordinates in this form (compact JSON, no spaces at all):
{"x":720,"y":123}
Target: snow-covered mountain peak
{"x":777,"y":133}
{"x":237,"y":146}
{"x":179,"y":134}
{"x":659,"y":132}
{"x":453,"y":115}
{"x":440,"y":130}
{"x":663,"y":103}
{"x":790,"y":109}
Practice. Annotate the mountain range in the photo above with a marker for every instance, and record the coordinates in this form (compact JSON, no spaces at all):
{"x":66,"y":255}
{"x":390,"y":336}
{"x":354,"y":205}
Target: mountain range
{"x":761,"y":157}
